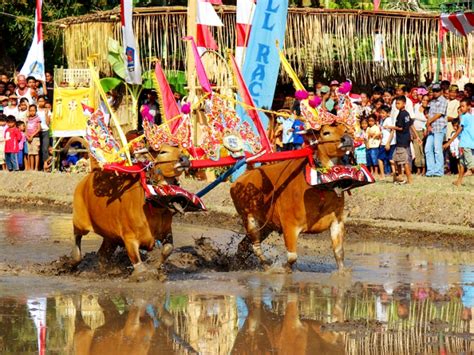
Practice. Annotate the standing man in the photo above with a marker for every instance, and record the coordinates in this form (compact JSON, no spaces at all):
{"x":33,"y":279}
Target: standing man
{"x":24,"y":91}
{"x":436,"y":128}
{"x":49,"y":86}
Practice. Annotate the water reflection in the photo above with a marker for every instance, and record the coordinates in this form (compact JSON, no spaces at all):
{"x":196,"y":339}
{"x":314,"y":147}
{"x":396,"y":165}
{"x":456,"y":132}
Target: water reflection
{"x":293,"y":319}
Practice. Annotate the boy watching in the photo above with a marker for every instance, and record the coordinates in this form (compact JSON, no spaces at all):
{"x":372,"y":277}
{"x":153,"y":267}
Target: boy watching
{"x":402,"y":154}
{"x":373,"y":144}
{"x":12,"y":140}
{"x":466,"y":140}
{"x":387,"y":148}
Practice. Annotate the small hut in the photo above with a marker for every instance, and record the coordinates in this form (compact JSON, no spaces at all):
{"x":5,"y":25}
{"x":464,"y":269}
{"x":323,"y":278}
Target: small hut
{"x":320,"y":43}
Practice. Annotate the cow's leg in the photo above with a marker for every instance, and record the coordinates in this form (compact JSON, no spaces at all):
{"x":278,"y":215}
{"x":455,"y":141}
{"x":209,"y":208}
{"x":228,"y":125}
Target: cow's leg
{"x":290,"y":234}
{"x":167,"y":247}
{"x":337,"y":237}
{"x":106,"y":249}
{"x":132,"y":246}
{"x":76,"y":253}
{"x":254,"y":236}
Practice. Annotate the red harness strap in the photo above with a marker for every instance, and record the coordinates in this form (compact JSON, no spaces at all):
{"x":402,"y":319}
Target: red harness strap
{"x":134,"y":169}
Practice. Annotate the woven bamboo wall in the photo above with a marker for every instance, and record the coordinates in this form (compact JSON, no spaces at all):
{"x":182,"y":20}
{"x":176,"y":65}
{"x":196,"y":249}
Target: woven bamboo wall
{"x":329,"y":42}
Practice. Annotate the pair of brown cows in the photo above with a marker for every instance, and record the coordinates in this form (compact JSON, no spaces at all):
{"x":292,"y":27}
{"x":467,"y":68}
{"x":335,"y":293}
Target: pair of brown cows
{"x":271,"y":197}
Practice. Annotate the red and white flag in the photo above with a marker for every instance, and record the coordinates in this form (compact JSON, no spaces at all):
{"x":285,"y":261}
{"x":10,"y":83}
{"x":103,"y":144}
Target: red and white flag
{"x":460,"y":23}
{"x":34,"y":63}
{"x":245,"y":11}
{"x":133,"y":70}
{"x":206,"y":17}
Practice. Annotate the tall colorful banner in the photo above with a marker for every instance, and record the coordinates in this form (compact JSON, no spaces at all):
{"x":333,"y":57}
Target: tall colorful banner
{"x":133,"y":70}
{"x":262,"y":62}
{"x":34,"y":63}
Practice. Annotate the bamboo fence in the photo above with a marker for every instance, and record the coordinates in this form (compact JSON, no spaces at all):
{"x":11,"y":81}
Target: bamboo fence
{"x":328,"y":43}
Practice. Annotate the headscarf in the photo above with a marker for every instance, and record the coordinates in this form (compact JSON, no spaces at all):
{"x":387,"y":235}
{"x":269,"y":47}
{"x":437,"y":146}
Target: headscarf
{"x":410,"y":96}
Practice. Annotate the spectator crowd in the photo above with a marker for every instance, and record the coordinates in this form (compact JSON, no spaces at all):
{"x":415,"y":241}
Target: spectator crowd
{"x":427,"y":129}
{"x":25,"y":117}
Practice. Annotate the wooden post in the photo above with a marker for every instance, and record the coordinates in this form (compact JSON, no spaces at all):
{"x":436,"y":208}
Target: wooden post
{"x":190,"y":64}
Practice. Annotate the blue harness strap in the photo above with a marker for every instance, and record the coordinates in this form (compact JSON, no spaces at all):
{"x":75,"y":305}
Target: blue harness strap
{"x":221,"y":178}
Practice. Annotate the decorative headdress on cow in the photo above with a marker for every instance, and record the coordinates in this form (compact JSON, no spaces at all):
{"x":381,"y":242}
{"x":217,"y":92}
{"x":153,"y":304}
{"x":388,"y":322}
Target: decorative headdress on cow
{"x":314,"y":115}
{"x":102,"y":144}
{"x":223,"y":123}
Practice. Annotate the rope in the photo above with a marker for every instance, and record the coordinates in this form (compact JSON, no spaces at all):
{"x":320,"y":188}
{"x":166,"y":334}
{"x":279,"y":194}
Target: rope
{"x":24,"y":18}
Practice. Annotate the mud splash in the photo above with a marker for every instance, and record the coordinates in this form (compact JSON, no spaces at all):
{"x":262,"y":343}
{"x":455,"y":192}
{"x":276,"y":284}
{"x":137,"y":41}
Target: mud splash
{"x":399,"y":298}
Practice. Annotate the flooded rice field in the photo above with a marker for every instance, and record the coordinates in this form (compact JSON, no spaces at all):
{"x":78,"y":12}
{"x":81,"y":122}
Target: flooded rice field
{"x":399,"y":298}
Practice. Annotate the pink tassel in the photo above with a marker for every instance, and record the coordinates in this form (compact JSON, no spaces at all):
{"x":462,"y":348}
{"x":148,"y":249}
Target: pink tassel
{"x":186,"y":108}
{"x":301,"y":95}
{"x":345,"y":88}
{"x":315,"y":102}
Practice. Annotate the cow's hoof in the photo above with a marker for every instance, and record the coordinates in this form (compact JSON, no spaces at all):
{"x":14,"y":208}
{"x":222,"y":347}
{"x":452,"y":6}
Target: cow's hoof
{"x":166,"y":251}
{"x":342,"y":273}
{"x":289,"y":268}
{"x":140,"y":273}
{"x":275,"y":269}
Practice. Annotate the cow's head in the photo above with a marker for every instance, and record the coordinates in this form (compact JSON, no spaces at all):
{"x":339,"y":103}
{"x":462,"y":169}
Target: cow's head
{"x":169,"y":162}
{"x":330,"y":142}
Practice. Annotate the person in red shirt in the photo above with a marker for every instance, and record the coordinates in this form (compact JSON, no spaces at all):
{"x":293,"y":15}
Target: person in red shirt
{"x":12,"y":140}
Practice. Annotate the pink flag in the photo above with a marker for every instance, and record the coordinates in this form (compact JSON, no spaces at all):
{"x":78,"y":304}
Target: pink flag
{"x":201,"y":73}
{"x":169,"y":106}
{"x":247,"y":99}
{"x":376,"y":5}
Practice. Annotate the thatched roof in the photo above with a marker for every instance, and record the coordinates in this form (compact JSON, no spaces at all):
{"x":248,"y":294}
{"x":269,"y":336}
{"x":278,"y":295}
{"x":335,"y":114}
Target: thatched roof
{"x":319,"y":42}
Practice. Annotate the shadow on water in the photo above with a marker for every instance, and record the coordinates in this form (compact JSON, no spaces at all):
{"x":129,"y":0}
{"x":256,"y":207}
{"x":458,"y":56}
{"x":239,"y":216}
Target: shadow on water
{"x":286,"y":318}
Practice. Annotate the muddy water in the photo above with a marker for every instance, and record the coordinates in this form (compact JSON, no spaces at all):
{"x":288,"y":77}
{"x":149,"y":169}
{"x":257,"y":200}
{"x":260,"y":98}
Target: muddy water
{"x":397,"y":299}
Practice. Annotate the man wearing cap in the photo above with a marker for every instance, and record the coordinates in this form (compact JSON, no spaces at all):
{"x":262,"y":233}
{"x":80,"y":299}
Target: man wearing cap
{"x":334,"y":85}
{"x":328,"y":103}
{"x":436,"y":128}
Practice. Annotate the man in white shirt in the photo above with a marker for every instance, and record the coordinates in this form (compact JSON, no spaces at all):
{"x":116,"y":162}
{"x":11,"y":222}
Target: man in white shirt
{"x":401,"y":90}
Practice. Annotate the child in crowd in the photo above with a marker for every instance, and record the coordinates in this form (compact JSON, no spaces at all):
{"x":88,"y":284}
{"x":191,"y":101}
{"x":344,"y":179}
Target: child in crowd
{"x":454,"y":146}
{"x":22,"y":146}
{"x":33,"y":129}
{"x":359,"y":143}
{"x":12,"y":139}
{"x":3,"y":124}
{"x":466,"y":140}
{"x":386,"y":165}
{"x":12,"y":108}
{"x":373,"y":144}
{"x":23,"y":110}
{"x":402,"y":155}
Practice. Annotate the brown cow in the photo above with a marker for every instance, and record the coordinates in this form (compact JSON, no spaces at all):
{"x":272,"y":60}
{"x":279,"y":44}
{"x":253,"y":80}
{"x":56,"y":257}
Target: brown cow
{"x":276,"y":197}
{"x":113,"y":206}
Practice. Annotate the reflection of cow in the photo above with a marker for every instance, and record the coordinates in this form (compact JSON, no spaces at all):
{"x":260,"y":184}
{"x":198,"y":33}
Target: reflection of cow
{"x":263,"y":331}
{"x":113,"y":205}
{"x":127,"y":333}
{"x":277,"y":197}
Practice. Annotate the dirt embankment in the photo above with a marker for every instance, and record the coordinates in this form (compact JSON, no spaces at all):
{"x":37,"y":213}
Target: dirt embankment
{"x":430,"y":204}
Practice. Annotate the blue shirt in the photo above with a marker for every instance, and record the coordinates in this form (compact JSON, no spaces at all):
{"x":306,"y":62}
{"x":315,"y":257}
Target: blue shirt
{"x":466,"y":139}
{"x":297,"y":127}
{"x":287,"y":124}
